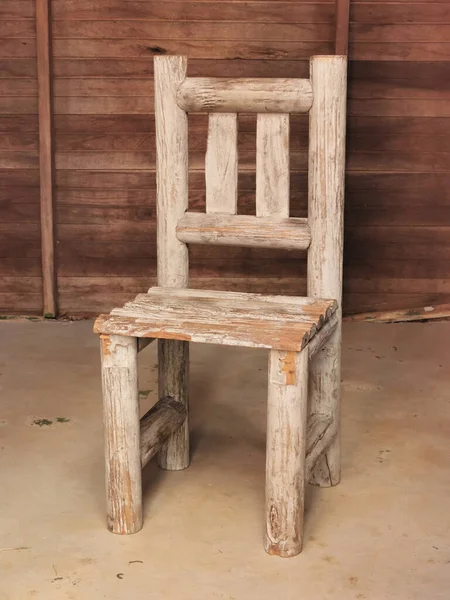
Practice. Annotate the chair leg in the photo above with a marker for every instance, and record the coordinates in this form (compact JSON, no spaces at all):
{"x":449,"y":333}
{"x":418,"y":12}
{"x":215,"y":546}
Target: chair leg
{"x":324,"y":390}
{"x":173,"y":360}
{"x":122,"y":433}
{"x":285,"y":459}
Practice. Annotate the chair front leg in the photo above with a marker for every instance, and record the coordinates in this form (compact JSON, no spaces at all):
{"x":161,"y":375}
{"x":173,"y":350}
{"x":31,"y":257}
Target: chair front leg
{"x":285,"y":454}
{"x":122,"y":433}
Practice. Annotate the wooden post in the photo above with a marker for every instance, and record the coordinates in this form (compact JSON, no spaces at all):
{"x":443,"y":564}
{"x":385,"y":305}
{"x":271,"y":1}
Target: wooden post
{"x":342,"y":26}
{"x":325,"y":217}
{"x":45,"y":156}
{"x":285,"y":459}
{"x":221,"y":164}
{"x":173,"y":267}
{"x":122,"y":432}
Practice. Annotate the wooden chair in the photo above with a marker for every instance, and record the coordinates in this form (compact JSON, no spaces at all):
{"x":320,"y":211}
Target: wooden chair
{"x":303,"y":335}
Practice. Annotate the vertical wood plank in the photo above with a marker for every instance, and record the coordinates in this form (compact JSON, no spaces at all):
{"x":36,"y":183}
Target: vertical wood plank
{"x":325,"y":218}
{"x":221,"y":165}
{"x":342,"y":24}
{"x":171,"y":170}
{"x":272,"y":165}
{"x":122,"y":433}
{"x":173,"y":266}
{"x":45,"y":155}
{"x":285,"y":451}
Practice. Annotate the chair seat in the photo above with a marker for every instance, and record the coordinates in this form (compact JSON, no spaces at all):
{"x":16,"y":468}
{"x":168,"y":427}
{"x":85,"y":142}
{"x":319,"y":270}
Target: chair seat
{"x":215,"y":317}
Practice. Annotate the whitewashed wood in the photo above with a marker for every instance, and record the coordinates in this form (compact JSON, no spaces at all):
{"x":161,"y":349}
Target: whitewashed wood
{"x":248,"y":322}
{"x":320,"y":435}
{"x":262,"y":95}
{"x":325,"y":217}
{"x":144,"y":342}
{"x":285,"y":454}
{"x":173,"y":266}
{"x":162,"y":420}
{"x":272,"y":166}
{"x":173,"y":360}
{"x":323,"y":334}
{"x":244,"y":230}
{"x":221,"y":164}
{"x":122,"y":426}
{"x":171,"y":170}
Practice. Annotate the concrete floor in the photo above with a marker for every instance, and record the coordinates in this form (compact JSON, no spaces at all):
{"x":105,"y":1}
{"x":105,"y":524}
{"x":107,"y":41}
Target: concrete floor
{"x":384,"y":533}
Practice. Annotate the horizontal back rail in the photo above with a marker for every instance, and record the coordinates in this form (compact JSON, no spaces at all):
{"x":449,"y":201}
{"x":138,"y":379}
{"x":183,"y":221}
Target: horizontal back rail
{"x":213,"y":94}
{"x":244,"y":230}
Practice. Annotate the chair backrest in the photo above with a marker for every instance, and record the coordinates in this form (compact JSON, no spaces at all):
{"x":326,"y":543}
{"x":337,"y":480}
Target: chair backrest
{"x":323,"y":96}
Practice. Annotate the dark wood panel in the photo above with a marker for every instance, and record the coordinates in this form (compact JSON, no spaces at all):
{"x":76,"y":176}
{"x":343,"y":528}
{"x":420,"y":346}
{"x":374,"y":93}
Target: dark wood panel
{"x":12,"y":234}
{"x":419,"y":71}
{"x":18,"y":105}
{"x":399,"y":89}
{"x":19,"y":213}
{"x":176,"y":30}
{"x":410,"y":160}
{"x":18,"y":48}
{"x":19,"y":195}
{"x":89,"y":48}
{"x":19,"y":178}
{"x":18,"y":87}
{"x":20,"y":304}
{"x":104,"y":67}
{"x":408,"y":51}
{"x":23,"y":28}
{"x":104,"y":105}
{"x":18,"y":160}
{"x":391,"y":125}
{"x":265,"y":11}
{"x":18,"y":123}
{"x":400,"y":12}
{"x":402,"y":108}
{"x":410,"y":32}
{"x":22,"y":67}
{"x":114,"y":86}
{"x":26,"y":247}
{"x":15,"y":9}
{"x":19,"y":141}
{"x":20,"y":267}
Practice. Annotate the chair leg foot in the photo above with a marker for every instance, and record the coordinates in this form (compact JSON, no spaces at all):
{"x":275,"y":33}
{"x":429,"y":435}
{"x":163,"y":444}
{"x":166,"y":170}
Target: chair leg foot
{"x":122,"y":433}
{"x":325,"y":385}
{"x":173,"y":361}
{"x":285,"y":459}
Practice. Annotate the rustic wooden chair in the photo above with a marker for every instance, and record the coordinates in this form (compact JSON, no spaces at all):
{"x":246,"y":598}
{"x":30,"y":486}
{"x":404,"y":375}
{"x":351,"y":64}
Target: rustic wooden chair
{"x":303,"y":335}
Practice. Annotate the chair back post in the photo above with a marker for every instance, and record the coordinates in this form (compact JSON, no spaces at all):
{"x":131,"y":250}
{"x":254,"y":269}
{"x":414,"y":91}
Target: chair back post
{"x":171,"y":170}
{"x":326,"y":176}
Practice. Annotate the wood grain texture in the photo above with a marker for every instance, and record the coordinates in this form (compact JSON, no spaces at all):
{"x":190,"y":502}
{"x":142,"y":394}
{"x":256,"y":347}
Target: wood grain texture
{"x":46,"y":156}
{"x":262,"y":232}
{"x":272,"y":166}
{"x":122,"y":430}
{"x":243,"y":95}
{"x":161,"y":421}
{"x":219,"y":318}
{"x":285,"y":452}
{"x":221,"y":164}
{"x":172,"y":170}
{"x":325,"y":255}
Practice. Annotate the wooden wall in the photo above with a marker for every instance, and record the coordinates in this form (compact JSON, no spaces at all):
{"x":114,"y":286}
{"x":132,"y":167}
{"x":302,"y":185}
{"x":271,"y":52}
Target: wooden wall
{"x":398,"y":198}
{"x":20,"y":254}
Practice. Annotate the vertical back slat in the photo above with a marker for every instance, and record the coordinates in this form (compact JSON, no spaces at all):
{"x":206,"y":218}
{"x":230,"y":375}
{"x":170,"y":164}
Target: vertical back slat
{"x":221,"y":167}
{"x":171,"y":170}
{"x":272,"y":165}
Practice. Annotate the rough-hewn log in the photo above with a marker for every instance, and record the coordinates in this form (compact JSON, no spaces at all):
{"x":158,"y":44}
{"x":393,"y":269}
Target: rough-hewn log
{"x":244,"y":230}
{"x":173,"y":265}
{"x":322,"y":335}
{"x":162,"y":420}
{"x":210,"y":94}
{"x":325,"y":217}
{"x":319,"y":437}
{"x":121,"y":422}
{"x":285,"y":454}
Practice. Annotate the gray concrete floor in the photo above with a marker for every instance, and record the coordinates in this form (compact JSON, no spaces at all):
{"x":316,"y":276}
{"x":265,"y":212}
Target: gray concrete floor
{"x":383,"y":533}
